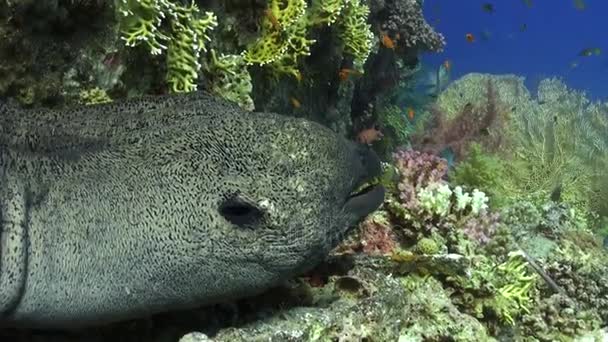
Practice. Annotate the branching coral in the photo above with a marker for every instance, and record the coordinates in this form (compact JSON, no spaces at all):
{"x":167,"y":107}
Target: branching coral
{"x":355,"y":32}
{"x":230,"y":79}
{"x":142,"y":22}
{"x":505,"y":289}
{"x":417,"y":170}
{"x":514,"y":296}
{"x":283,"y":39}
{"x":426,"y":200}
{"x":287,"y":25}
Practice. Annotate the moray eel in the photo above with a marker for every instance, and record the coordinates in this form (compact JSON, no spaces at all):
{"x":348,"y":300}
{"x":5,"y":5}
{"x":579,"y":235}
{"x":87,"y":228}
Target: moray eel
{"x":119,"y":211}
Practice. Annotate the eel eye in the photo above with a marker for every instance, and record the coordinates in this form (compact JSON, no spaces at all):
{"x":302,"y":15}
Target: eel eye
{"x":240,"y":212}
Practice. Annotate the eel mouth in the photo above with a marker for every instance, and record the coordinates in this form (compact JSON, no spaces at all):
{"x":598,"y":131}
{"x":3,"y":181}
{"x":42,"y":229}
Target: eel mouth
{"x":369,"y":195}
{"x":365,"y":199}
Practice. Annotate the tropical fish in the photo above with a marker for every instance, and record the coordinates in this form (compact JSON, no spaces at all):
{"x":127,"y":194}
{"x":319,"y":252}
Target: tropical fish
{"x":273,"y":19}
{"x":387,"y":41}
{"x":369,"y":135}
{"x":430,"y":81}
{"x":579,"y":4}
{"x":411,"y":113}
{"x":345,"y":73}
{"x":586,"y":52}
{"x":470,"y":37}
{"x":488,"y":7}
{"x":295,"y":102}
{"x":523,"y":27}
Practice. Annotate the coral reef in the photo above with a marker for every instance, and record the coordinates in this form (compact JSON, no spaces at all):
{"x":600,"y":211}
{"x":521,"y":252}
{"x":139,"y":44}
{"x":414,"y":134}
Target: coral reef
{"x":405,"y":20}
{"x":484,"y":171}
{"x":555,"y":143}
{"x":426,"y":202}
{"x":45,"y":42}
{"x":419,"y":310}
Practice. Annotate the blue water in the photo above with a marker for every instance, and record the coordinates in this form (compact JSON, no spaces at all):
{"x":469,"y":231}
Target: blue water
{"x":556,"y":32}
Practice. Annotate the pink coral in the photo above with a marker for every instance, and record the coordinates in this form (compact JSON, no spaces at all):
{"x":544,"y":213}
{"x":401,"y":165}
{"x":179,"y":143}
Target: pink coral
{"x":377,"y":238}
{"x":417,"y":170}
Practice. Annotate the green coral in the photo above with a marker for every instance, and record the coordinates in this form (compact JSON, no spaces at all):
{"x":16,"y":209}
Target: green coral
{"x":327,"y":11}
{"x":514,"y":297}
{"x":483,"y":171}
{"x":427,"y":246}
{"x":506,"y":289}
{"x":287,"y":25}
{"x":94,"y":96}
{"x":142,"y":23}
{"x":230,"y":79}
{"x":436,"y":198}
{"x":355,"y":32}
{"x":283,"y":38}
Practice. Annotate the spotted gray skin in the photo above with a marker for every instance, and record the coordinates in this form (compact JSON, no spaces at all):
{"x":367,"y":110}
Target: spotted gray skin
{"x":119,"y":211}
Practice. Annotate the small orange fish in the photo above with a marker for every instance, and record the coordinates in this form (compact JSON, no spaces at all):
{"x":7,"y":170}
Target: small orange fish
{"x":387,"y":41}
{"x":470,"y":37}
{"x":295,"y":102}
{"x":345,"y":73}
{"x":369,"y":135}
{"x":411,"y":113}
{"x":273,"y":19}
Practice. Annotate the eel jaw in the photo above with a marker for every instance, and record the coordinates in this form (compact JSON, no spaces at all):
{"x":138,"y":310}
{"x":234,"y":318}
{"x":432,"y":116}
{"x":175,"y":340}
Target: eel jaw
{"x":365,"y":201}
